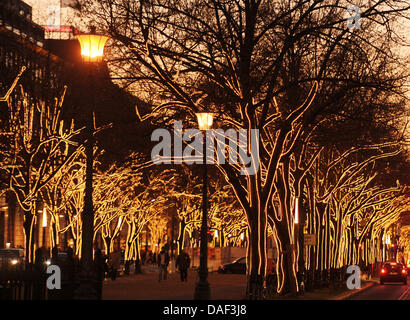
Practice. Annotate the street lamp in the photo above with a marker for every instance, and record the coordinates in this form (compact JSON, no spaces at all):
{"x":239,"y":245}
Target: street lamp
{"x":202,"y":289}
{"x":92,"y":49}
{"x":92,"y":46}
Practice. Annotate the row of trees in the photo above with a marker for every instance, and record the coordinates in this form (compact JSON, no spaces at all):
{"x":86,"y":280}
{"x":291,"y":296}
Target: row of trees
{"x":326,"y":101}
{"x":44,"y":164}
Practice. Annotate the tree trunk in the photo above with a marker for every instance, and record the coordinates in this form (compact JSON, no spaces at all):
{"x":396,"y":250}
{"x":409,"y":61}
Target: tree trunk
{"x":180,"y":240}
{"x":107,"y":245}
{"x":28,"y":225}
{"x":127,"y":254}
{"x":257,"y":259}
{"x":54,"y":233}
{"x":287,"y":279}
{"x":137,"y":256}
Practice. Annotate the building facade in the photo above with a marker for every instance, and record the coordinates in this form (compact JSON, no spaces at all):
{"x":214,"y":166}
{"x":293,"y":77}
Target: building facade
{"x":51,"y":64}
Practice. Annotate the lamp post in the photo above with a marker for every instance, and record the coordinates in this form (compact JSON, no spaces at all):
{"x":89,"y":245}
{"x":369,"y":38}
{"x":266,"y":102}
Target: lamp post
{"x":202,"y":289}
{"x":92,"y":49}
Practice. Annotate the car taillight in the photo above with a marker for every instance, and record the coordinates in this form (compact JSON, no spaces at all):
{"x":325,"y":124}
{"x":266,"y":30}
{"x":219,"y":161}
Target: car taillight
{"x":383,"y":270}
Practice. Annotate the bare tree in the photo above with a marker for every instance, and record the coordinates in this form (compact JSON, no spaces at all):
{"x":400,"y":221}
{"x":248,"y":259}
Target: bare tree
{"x":256,"y":65}
{"x":42,"y":145}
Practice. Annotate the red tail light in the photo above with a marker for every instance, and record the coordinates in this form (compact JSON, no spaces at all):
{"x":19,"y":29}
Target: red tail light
{"x":383,"y":270}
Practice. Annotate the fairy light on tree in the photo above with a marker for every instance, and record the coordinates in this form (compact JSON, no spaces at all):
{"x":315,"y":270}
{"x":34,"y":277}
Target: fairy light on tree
{"x":39,"y":135}
{"x":223,"y":62}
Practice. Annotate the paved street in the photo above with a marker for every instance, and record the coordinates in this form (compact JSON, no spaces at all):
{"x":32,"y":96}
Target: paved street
{"x":389,"y":291}
{"x":147,"y":287}
{"x":230,"y":287}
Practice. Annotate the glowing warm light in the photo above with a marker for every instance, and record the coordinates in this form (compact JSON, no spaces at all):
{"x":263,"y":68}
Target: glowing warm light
{"x":388,"y":239}
{"x":216,"y":234}
{"x":242,"y":236}
{"x":383,"y":271}
{"x":205,"y":120}
{"x":297,"y":210}
{"x":8,"y":244}
{"x":14,"y":261}
{"x":92,"y":46}
{"x":44,"y":217}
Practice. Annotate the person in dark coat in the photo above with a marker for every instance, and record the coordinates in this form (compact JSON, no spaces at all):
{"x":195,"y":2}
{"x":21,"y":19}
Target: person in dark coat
{"x":183,"y":262}
{"x":99,"y":272}
{"x":163,"y":261}
{"x":70,"y":269}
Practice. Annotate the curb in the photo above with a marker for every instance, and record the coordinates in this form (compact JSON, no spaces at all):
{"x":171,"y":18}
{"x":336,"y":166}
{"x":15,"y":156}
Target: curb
{"x":354,"y":292}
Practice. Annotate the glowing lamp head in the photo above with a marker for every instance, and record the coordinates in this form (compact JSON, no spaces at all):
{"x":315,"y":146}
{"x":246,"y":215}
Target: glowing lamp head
{"x":383,"y":270}
{"x":92,"y":46}
{"x":205,"y":120}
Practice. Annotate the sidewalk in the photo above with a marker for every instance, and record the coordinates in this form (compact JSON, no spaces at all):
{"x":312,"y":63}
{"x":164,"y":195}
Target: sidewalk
{"x":147,"y":287}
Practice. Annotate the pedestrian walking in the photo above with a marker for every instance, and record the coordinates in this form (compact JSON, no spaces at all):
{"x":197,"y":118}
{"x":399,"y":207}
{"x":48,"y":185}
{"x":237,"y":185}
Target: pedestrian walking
{"x":114,"y":264}
{"x":183,"y":262}
{"x":99,"y":272}
{"x":70,"y":270}
{"x":163,"y":261}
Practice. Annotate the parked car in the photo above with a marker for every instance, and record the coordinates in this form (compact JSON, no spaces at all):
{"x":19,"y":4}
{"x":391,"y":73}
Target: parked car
{"x":393,"y":272}
{"x":12,"y":259}
{"x":61,"y":257}
{"x":237,"y":266}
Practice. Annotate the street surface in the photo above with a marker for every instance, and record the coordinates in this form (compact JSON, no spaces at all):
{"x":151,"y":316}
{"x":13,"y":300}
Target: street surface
{"x":227,"y":287}
{"x":389,"y":291}
{"x":147,"y":287}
